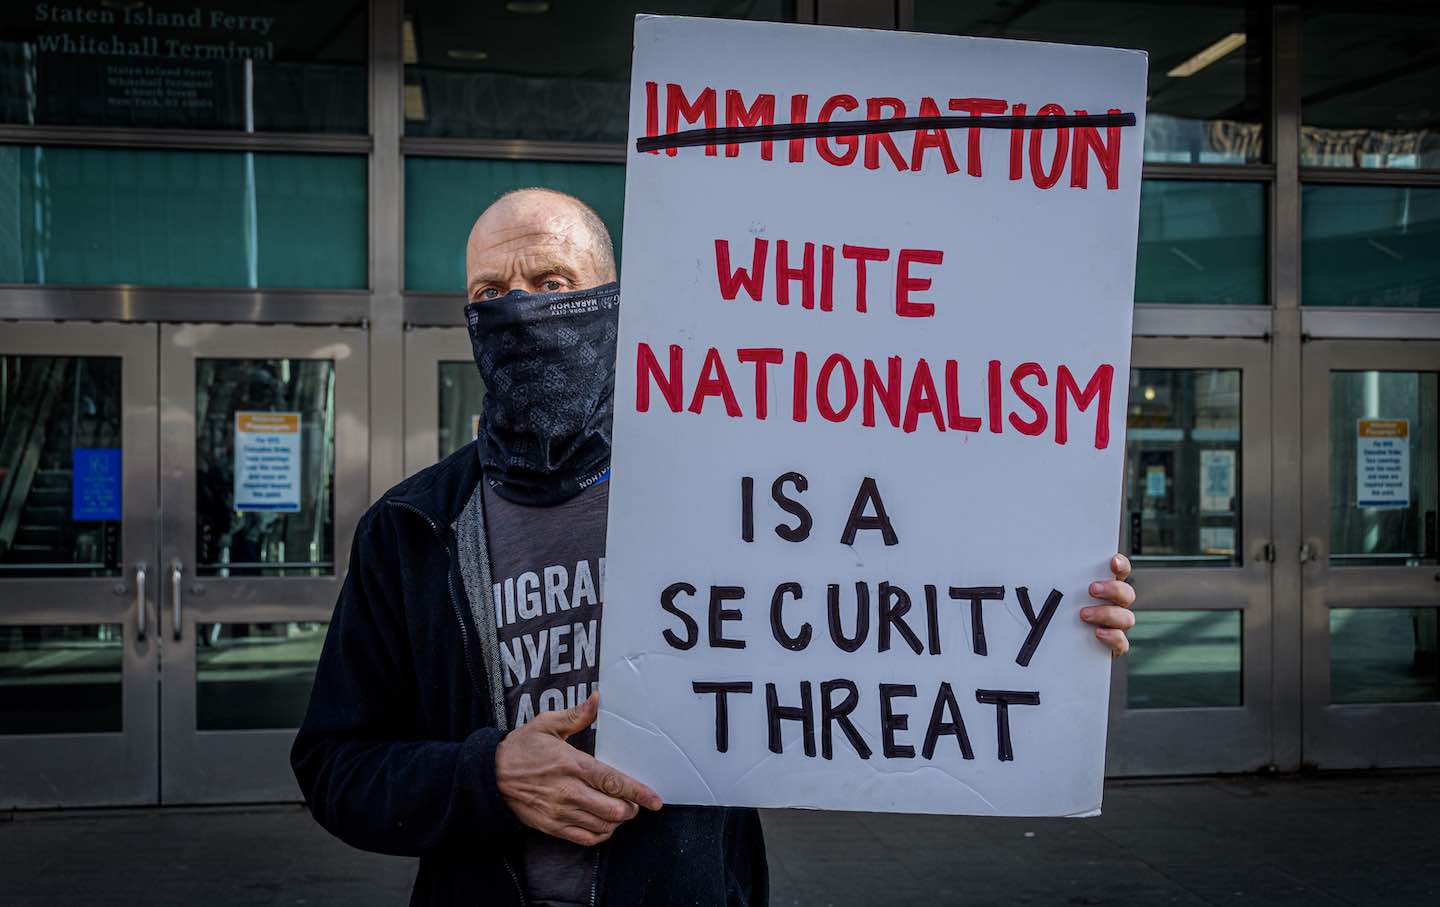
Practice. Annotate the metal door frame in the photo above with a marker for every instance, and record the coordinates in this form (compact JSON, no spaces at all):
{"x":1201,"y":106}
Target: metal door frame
{"x":425,"y":349}
{"x":1370,"y":735}
{"x":242,"y":765}
{"x":1221,"y":739}
{"x":109,"y":769}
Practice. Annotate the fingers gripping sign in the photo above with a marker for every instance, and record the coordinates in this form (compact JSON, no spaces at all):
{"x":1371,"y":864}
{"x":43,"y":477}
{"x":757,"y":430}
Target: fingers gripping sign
{"x":555,"y":788}
{"x":1111,"y":620}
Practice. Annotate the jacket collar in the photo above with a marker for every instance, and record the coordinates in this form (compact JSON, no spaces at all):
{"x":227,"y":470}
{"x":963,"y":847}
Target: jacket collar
{"x":441,"y":492}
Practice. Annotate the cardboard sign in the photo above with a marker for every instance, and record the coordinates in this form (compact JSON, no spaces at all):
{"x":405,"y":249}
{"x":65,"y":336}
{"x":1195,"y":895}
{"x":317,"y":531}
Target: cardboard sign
{"x":869,"y":418}
{"x":267,"y":461}
{"x":1382,"y":467}
{"x":95,"y":481}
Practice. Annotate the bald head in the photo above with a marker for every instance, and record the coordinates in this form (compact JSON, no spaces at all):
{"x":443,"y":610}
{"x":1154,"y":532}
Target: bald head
{"x":538,"y":241}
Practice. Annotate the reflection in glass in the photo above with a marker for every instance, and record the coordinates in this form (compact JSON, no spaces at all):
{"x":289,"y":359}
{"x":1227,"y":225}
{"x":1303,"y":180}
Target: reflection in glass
{"x":1206,"y":91}
{"x":1201,"y":242}
{"x":182,"y":218}
{"x":461,"y":395}
{"x":1383,"y":655}
{"x":1370,"y":85}
{"x":1183,"y":467}
{"x":444,"y":196}
{"x":293,"y":533}
{"x":60,"y":679}
{"x":253,"y":676}
{"x":493,"y":71}
{"x":1184,"y":660}
{"x":60,"y":466}
{"x":251,"y":66}
{"x":1383,"y":500}
{"x":1370,"y":246}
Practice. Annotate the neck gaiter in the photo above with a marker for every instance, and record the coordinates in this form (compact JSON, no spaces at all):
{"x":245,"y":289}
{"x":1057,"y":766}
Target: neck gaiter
{"x":548,"y":363}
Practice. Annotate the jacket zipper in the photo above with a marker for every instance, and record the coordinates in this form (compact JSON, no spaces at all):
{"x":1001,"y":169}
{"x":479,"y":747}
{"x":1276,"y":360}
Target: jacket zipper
{"x":595,"y":877}
{"x":465,"y":646}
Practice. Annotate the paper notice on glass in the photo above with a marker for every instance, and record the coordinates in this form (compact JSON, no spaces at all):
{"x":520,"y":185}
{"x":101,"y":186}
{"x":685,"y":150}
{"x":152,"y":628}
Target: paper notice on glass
{"x":1382,"y":467}
{"x":267,"y":461}
{"x":1217,"y":480}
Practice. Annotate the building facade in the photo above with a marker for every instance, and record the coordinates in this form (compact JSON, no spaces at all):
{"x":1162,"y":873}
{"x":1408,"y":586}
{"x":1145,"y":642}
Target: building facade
{"x":231,"y":256}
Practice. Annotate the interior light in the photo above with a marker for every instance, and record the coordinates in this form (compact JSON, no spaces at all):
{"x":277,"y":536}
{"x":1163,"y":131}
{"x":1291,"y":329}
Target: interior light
{"x":1209,"y":55}
{"x":528,"y":7}
{"x":414,"y":102}
{"x":469,"y":56}
{"x":1149,"y":393}
{"x":409,"y":51}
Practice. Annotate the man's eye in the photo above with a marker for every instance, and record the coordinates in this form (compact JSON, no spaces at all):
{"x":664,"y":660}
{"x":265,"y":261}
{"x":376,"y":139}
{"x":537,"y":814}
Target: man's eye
{"x":553,"y":286}
{"x":489,"y":293}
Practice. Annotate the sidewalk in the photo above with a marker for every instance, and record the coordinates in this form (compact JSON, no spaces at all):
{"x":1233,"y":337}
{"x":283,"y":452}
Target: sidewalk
{"x":1316,"y":840}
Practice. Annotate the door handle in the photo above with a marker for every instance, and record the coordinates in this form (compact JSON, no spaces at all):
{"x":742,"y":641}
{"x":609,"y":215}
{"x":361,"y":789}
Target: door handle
{"x":176,"y":571}
{"x":140,"y":600}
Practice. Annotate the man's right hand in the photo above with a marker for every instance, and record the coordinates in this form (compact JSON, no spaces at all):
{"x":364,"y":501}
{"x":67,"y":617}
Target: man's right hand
{"x":553,"y":787}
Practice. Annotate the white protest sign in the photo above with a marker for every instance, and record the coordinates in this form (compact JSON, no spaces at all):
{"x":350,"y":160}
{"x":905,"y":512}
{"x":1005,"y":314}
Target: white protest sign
{"x":1382,"y":467}
{"x":267,"y":461}
{"x":869,"y":417}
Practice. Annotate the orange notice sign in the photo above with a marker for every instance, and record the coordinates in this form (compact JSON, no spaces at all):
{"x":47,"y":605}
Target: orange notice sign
{"x":1384,"y":428}
{"x":270,"y":423}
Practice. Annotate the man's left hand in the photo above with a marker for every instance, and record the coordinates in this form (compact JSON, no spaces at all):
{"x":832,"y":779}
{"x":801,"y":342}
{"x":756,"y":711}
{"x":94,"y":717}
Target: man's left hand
{"x":1114,"y":617}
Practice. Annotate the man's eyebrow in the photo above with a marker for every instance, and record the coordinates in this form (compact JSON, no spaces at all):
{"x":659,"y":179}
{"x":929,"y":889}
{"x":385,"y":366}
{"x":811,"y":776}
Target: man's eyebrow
{"x":485,"y":277}
{"x":551,"y":266}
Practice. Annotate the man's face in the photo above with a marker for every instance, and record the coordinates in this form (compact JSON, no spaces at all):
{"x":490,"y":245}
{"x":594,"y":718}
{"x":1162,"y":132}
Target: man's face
{"x":536,"y":242}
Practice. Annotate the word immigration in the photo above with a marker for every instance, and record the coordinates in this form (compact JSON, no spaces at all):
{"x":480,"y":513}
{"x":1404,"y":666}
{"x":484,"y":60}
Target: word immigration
{"x":1047,"y":160}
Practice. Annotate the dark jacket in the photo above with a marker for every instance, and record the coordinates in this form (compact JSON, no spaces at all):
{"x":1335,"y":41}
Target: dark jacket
{"x":397,"y":751}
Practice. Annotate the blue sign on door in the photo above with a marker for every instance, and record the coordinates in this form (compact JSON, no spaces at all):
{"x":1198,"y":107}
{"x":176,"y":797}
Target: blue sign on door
{"x":95,"y":484}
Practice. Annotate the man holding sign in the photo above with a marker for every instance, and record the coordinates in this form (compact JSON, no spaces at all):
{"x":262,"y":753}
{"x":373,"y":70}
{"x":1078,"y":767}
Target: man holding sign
{"x":453,"y":704}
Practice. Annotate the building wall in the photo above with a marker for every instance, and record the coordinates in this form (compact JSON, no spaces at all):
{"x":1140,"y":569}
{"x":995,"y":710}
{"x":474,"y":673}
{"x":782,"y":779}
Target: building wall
{"x":305,"y":176}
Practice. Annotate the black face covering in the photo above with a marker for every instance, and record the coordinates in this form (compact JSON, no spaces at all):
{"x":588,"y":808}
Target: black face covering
{"x":548,"y":363}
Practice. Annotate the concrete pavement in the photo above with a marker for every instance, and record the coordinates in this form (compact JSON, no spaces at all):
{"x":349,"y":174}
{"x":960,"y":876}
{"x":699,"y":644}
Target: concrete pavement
{"x":1297,"y":840}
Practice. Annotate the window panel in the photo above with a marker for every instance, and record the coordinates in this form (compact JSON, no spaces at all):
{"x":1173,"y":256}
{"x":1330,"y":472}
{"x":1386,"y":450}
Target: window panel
{"x":265,"y":484}
{"x":1384,"y":468}
{"x":1201,"y":242}
{"x":1184,"y":659}
{"x":1383,"y":655}
{"x":443,"y":197}
{"x":537,"y":70}
{"x":251,"y":65}
{"x":1370,"y":246}
{"x":61,"y":679}
{"x":1183,"y":467}
{"x":1370,"y":85}
{"x":254,"y":676}
{"x":61,"y":466}
{"x":462,"y":398}
{"x":181,"y":218}
{"x":1206,"y":101}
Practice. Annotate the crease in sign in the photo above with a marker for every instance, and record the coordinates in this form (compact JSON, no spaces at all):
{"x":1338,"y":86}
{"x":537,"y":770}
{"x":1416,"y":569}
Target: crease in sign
{"x":879,"y":777}
{"x":833,"y":129}
{"x":656,"y":732}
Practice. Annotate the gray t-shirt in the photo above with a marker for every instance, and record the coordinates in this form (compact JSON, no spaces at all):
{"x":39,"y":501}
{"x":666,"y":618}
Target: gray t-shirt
{"x":548,"y":564}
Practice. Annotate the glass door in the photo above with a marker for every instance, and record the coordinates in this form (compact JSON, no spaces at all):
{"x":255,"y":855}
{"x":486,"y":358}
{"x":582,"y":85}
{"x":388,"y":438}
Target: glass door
{"x":1370,"y":574}
{"x":78,"y":638}
{"x":263,"y":466}
{"x":443,"y":395}
{"x":1195,"y":695}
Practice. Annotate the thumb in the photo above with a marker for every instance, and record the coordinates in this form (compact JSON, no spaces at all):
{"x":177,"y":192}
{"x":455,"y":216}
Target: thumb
{"x":577,"y":718}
